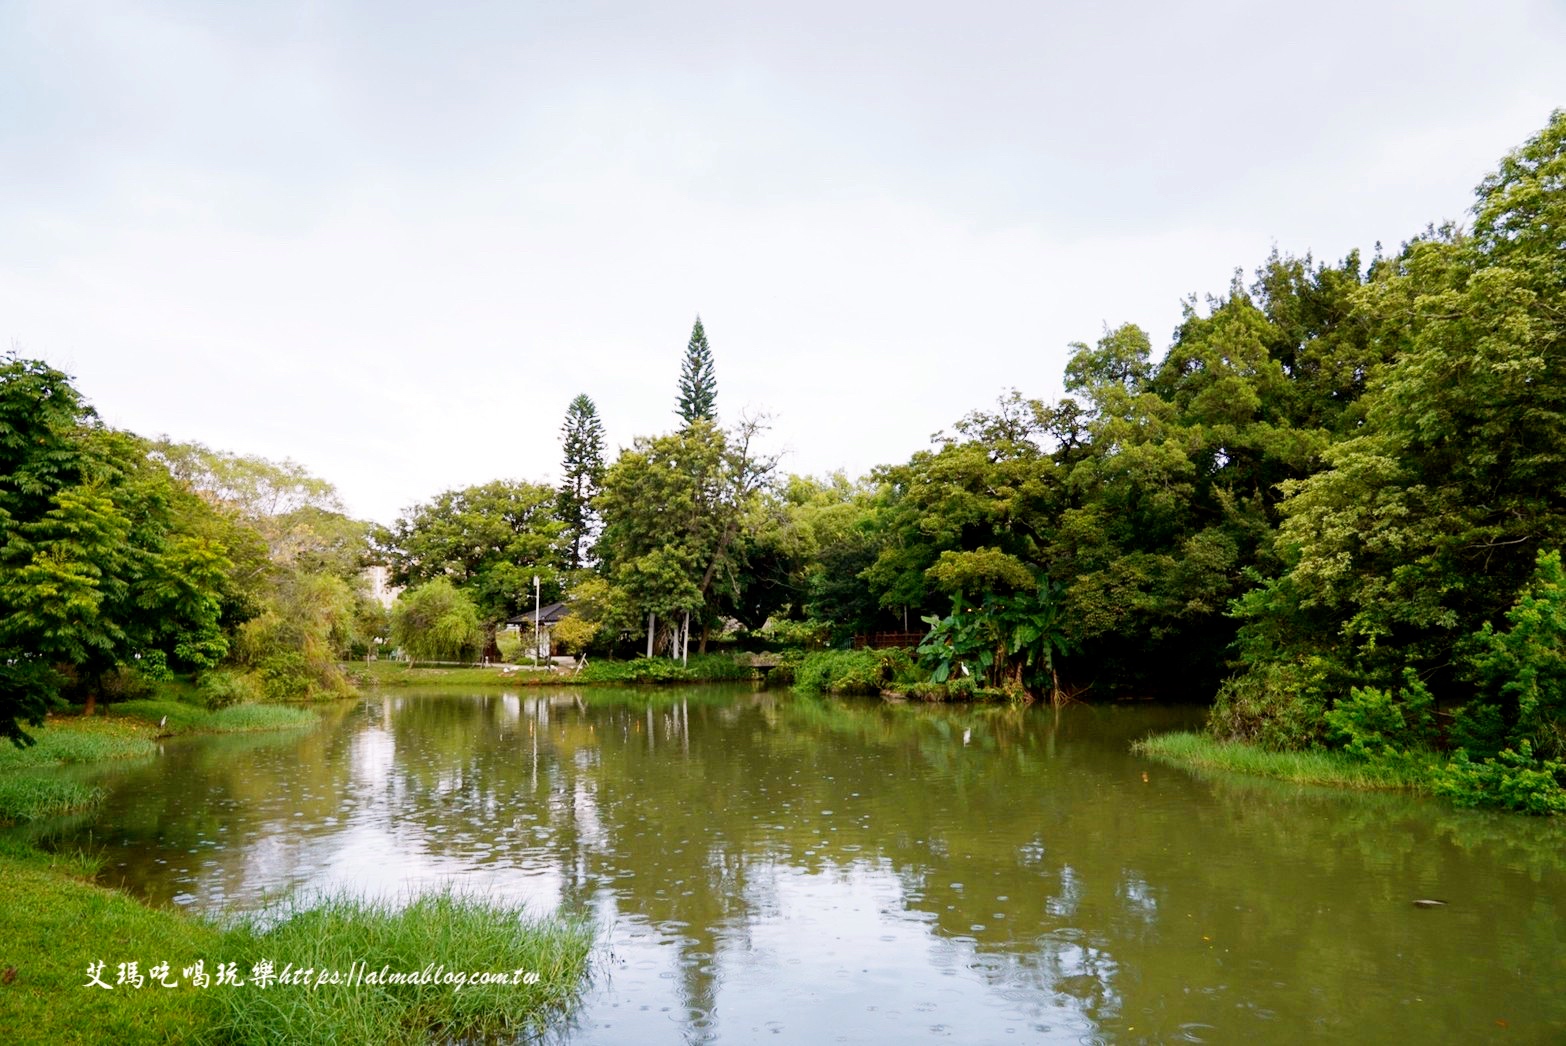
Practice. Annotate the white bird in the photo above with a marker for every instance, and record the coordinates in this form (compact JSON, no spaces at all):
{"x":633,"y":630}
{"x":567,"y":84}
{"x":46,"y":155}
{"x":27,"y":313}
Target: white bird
{"x":163,"y":722}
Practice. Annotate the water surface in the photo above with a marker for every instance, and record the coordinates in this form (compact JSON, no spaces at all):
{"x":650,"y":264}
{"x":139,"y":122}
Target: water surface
{"x":770,"y":866}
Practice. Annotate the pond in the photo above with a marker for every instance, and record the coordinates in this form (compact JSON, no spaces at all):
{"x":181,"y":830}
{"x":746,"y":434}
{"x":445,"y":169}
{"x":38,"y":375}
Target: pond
{"x":770,"y":866}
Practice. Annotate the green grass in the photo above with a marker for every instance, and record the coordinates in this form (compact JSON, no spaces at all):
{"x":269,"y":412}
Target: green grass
{"x":76,"y":740}
{"x":24,"y":797}
{"x":185,"y":718}
{"x":56,"y":926}
{"x":1318,"y":768}
{"x":442,"y":933}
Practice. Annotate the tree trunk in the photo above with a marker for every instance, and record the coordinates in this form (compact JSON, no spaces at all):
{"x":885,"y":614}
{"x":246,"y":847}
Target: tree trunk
{"x":702,"y":649}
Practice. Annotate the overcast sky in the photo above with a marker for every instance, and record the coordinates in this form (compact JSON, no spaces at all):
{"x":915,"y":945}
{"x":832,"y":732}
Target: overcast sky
{"x":392,"y":240}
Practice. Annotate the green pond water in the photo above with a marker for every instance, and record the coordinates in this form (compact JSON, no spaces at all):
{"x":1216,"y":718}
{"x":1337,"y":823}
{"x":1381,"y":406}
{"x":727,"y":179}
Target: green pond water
{"x":770,"y":867}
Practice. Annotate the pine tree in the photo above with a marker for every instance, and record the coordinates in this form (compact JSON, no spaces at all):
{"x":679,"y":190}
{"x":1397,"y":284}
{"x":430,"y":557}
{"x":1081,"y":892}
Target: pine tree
{"x":582,"y":470}
{"x":698,"y":386}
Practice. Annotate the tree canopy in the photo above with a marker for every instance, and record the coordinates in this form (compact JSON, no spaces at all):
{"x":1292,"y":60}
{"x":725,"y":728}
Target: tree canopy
{"x":581,"y":475}
{"x":698,"y":398}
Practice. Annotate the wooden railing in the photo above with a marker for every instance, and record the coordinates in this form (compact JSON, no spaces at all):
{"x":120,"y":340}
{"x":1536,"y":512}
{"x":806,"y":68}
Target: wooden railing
{"x":882,"y":640}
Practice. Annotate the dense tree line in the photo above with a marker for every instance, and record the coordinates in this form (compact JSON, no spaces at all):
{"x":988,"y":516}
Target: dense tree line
{"x":126,"y":560}
{"x":1334,"y":500}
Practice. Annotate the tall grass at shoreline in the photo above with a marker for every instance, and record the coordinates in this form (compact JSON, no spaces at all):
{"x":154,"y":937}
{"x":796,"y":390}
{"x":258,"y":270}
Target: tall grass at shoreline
{"x":1322,"y":768}
{"x":26,"y":797}
{"x":77,"y":740}
{"x":57,"y":926}
{"x":180,"y":718}
{"x":461,"y":934}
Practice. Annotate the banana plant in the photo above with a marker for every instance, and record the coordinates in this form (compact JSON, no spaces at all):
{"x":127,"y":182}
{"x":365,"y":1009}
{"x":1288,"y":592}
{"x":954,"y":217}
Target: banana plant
{"x":961,"y":641}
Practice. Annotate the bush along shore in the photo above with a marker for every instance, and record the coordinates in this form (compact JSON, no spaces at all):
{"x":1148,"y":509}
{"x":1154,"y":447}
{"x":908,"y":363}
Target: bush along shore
{"x":891,"y":673}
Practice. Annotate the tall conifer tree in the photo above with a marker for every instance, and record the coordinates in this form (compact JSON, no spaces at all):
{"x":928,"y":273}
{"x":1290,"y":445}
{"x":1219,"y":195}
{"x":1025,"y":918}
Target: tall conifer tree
{"x":582,"y":470}
{"x":698,"y":386}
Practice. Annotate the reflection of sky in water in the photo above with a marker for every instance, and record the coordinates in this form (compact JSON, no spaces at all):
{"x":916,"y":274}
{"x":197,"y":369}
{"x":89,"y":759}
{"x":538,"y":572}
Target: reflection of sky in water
{"x":779,"y":868}
{"x":834,"y":956}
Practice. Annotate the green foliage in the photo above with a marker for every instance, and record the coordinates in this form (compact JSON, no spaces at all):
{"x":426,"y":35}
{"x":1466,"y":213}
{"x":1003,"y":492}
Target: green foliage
{"x":1373,"y":721}
{"x":582,"y":473}
{"x":120,"y":683}
{"x":443,"y":929}
{"x":701,"y":668}
{"x":1427,"y":520}
{"x":797,"y":635}
{"x":1479,"y":729}
{"x":674,"y":509}
{"x":222,"y":689}
{"x":1513,"y":780}
{"x":961,"y":643}
{"x":931,"y":692}
{"x":1523,"y":669}
{"x":437,"y":622}
{"x":854,"y":671}
{"x":178,"y":717}
{"x":1010,"y":640}
{"x":57,"y":925}
{"x":489,"y":541}
{"x":1275,"y":705}
{"x":575,"y":634}
{"x":284,"y":676}
{"x":698,"y":399}
{"x":103,"y":557}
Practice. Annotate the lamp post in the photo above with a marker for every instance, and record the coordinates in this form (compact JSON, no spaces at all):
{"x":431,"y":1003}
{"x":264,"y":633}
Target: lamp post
{"x":535,"y":620}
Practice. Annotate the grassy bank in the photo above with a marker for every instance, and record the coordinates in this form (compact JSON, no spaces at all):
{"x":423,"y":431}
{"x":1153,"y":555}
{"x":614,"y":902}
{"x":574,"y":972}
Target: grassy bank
{"x":1200,"y":752}
{"x":708,"y":668}
{"x":58,"y":927}
{"x":71,"y":739}
{"x":179,"y":717}
{"x":128,"y":730}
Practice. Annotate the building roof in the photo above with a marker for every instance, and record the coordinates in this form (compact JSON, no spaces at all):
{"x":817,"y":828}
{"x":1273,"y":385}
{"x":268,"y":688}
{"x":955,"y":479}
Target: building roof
{"x":548,"y":614}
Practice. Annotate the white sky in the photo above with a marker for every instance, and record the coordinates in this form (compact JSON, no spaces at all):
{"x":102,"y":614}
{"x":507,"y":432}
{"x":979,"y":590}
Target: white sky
{"x":392,"y":240}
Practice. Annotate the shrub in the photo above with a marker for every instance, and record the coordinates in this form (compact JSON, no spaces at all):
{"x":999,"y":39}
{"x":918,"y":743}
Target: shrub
{"x":284,"y":677}
{"x":1513,"y":780}
{"x":932,"y":692}
{"x":123,"y":683}
{"x":223,"y":689}
{"x":796,"y":635}
{"x":437,"y":622}
{"x":1523,"y":669}
{"x":854,"y":671}
{"x":702,"y":668}
{"x":1479,"y":728}
{"x":1276,"y":705}
{"x":575,"y":634}
{"x":154,"y":665}
{"x":1372,"y":721}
